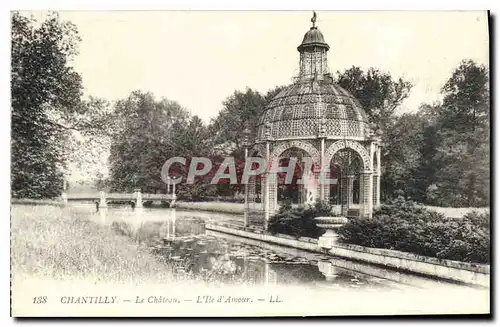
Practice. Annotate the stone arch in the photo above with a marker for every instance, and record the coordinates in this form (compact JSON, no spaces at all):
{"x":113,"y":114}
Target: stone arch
{"x":307,"y":147}
{"x":355,"y":146}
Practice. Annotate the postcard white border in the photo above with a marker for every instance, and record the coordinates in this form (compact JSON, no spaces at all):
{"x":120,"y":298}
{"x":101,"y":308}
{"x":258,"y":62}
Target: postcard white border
{"x":178,"y":5}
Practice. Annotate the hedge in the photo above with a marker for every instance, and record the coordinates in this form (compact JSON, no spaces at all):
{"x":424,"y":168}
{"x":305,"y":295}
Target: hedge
{"x":405,"y":226}
{"x":299,"y":221}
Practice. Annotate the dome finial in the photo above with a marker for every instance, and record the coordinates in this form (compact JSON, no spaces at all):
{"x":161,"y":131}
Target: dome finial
{"x":313,"y":19}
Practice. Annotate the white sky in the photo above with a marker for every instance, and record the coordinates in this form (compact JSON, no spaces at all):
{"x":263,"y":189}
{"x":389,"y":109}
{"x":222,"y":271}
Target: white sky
{"x":198,"y":58}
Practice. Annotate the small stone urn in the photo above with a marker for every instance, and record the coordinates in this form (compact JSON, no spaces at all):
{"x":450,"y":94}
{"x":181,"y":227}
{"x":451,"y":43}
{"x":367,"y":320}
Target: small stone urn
{"x":330,"y":224}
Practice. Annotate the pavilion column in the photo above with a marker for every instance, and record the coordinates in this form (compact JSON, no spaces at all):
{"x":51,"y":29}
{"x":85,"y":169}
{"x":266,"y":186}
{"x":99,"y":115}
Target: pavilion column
{"x":376,"y":190}
{"x":350,"y":190}
{"x":321,"y":176}
{"x":343,"y":196}
{"x":366,"y":194}
{"x":379,"y":172}
{"x":247,"y":194}
{"x":251,"y":190}
{"x":273,"y":194}
{"x":302,"y":194}
{"x":347,"y":186}
{"x":319,"y":184}
{"x":326,"y":187}
{"x":267,"y":197}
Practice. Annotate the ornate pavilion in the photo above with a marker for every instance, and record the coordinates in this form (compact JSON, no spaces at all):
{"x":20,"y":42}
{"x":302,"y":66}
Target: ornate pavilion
{"x":317,"y":119}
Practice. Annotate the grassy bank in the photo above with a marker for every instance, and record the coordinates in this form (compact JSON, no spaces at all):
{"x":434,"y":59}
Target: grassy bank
{"x":61,"y":243}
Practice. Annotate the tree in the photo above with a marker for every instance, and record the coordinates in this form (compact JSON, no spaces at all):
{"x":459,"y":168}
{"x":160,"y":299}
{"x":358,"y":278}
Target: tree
{"x":462,"y":153}
{"x":466,"y":98}
{"x":44,"y":87}
{"x":403,"y":157}
{"x":90,"y":142}
{"x":143,"y":138}
{"x":379,"y":94}
{"x":241,"y":110}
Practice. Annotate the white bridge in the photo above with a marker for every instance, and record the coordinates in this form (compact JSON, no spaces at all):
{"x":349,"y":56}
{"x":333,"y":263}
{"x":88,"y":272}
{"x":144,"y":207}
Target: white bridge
{"x":136,"y":197}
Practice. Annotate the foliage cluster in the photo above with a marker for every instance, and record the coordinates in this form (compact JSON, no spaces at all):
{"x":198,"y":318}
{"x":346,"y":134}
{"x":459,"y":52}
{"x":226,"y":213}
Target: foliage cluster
{"x":299,"y":221}
{"x":403,"y":225}
{"x":439,"y":155}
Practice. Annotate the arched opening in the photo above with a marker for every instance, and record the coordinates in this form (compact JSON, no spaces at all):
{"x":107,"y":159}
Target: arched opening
{"x":254,"y":190}
{"x":345,"y":169}
{"x":290,"y":189}
{"x":335,"y":173}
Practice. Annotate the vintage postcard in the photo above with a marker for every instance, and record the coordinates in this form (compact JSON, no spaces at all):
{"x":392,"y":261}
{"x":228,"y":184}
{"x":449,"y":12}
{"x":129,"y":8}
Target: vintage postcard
{"x":250,"y":163}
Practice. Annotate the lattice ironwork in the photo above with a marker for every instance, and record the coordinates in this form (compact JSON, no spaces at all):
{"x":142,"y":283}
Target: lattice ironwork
{"x":321,"y":118}
{"x":299,"y":109}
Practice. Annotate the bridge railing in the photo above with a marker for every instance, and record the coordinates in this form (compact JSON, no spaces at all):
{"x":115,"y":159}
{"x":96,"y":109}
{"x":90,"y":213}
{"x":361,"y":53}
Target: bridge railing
{"x":118,"y":196}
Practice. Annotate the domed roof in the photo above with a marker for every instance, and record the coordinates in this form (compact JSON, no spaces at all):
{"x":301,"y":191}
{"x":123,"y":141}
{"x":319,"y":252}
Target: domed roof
{"x":313,"y":37}
{"x":312,"y":108}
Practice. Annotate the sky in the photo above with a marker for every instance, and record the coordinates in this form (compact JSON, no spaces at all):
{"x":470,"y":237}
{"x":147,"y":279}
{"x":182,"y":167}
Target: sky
{"x":199,"y":58}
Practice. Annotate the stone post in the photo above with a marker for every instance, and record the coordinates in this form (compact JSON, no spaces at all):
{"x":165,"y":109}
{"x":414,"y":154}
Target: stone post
{"x":102,"y":201}
{"x":138,"y":199}
{"x":64,"y":196}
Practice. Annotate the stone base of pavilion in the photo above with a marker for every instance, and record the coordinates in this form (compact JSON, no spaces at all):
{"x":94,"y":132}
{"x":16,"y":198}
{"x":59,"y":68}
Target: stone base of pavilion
{"x":455,"y":271}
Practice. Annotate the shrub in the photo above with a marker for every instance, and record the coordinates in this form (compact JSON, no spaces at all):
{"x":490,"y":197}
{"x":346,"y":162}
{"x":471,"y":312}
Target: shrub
{"x":147,"y":204}
{"x":405,"y":226}
{"x":299,"y":221}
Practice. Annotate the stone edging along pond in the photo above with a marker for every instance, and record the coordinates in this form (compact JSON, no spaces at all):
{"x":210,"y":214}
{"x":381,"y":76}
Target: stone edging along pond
{"x":469,"y":273}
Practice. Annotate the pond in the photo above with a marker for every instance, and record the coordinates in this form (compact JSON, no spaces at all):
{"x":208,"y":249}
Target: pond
{"x":179,"y":239}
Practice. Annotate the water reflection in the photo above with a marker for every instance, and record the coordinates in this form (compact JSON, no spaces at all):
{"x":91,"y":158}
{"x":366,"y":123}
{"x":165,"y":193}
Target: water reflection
{"x":180,"y":240}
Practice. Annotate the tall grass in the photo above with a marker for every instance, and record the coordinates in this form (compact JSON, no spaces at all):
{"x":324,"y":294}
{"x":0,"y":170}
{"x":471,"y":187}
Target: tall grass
{"x":61,"y":243}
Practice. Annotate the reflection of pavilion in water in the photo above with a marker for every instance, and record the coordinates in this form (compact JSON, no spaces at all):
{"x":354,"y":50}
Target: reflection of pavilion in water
{"x":167,"y":229}
{"x":285,"y":273}
{"x":189,"y":251}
